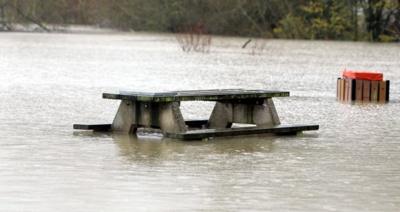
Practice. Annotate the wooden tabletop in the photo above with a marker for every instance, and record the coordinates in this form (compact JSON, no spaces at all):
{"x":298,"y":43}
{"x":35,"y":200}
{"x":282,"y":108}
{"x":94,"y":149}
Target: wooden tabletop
{"x":196,"y":95}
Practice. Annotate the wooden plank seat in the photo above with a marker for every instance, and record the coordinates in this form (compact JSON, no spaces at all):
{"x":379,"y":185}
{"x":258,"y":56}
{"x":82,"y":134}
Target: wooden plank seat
{"x":208,"y":133}
{"x":162,"y":111}
{"x":94,"y":127}
{"x":107,"y":127}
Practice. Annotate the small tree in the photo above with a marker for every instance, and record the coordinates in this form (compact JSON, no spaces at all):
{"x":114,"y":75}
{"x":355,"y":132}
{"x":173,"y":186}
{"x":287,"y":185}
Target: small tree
{"x":194,"y":38}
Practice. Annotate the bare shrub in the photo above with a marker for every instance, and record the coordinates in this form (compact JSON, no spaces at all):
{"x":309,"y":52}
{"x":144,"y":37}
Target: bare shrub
{"x":255,"y":46}
{"x":194,"y":38}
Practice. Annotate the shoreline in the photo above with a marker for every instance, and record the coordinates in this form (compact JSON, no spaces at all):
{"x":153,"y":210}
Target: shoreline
{"x":70,"y":28}
{"x":91,"y":29}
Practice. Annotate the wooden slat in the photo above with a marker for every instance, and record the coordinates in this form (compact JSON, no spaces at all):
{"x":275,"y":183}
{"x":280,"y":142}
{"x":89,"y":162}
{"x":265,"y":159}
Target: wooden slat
{"x":382,"y":91}
{"x":200,"y":95}
{"x":346,"y":90}
{"x":106,"y":127}
{"x":94,"y":127}
{"x":366,"y":90}
{"x":359,"y":90}
{"x":342,"y":89}
{"x":374,"y":91}
{"x":207,"y":133}
{"x":338,"y":89}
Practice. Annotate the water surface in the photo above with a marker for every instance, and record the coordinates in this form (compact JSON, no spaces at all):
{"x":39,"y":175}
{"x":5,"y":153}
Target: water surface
{"x":50,"y":81}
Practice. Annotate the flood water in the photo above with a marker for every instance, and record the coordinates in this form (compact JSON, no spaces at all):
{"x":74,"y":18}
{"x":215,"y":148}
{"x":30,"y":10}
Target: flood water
{"x":50,"y":81}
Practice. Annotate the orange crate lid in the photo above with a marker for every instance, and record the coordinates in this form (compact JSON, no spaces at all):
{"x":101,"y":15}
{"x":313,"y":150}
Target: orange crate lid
{"x":363,"y":75}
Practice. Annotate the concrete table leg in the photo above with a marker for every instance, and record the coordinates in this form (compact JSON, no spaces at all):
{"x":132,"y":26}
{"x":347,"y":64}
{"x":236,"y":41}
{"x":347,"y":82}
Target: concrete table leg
{"x":161,"y":115}
{"x":170,"y":118}
{"x":265,"y":114}
{"x":125,"y":120}
{"x":221,"y":116}
{"x":165,"y":116}
{"x":260,"y":112}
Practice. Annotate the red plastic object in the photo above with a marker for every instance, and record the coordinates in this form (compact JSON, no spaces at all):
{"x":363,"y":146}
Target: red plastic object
{"x":363,"y":75}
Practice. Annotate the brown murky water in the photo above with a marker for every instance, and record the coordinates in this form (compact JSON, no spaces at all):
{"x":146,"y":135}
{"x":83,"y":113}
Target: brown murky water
{"x":50,"y":81}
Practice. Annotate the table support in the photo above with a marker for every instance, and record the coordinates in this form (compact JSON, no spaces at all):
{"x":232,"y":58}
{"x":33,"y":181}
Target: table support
{"x":170,"y":118}
{"x":163,"y":115}
{"x":125,"y":119}
{"x":259,"y":112}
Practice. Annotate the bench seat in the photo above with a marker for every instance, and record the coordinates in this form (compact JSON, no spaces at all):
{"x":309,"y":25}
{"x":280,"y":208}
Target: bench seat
{"x":207,"y":133}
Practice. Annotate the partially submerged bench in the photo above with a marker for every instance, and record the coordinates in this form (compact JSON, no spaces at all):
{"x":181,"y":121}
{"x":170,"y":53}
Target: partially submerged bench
{"x":162,"y":111}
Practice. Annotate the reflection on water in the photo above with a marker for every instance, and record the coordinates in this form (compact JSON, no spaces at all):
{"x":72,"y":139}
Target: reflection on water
{"x":50,"y":81}
{"x":151,"y":147}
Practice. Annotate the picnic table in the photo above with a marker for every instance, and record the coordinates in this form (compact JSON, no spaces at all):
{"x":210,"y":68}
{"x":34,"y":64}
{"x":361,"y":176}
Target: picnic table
{"x":162,"y":111}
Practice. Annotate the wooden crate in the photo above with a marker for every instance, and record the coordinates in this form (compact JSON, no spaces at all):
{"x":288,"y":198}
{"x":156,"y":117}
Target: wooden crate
{"x":349,"y":90}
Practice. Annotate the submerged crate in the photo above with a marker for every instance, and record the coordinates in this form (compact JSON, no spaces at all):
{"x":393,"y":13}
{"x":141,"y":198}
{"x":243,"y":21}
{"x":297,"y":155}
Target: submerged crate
{"x":363,"y":87}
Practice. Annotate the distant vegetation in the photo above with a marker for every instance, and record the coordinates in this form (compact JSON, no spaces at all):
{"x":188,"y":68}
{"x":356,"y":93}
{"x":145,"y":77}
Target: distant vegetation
{"x":374,"y":20}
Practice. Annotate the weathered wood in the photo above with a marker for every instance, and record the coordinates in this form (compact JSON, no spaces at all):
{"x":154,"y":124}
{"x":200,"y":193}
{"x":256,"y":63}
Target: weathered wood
{"x":359,"y":90}
{"x":349,"y":90}
{"x":366,"y":90}
{"x":382,"y":91}
{"x":339,"y":90}
{"x":106,"y":127}
{"x":342,"y":89}
{"x":374,"y":91}
{"x":207,"y":133}
{"x":346,"y":90}
{"x":197,"y":95}
{"x":94,"y":127}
